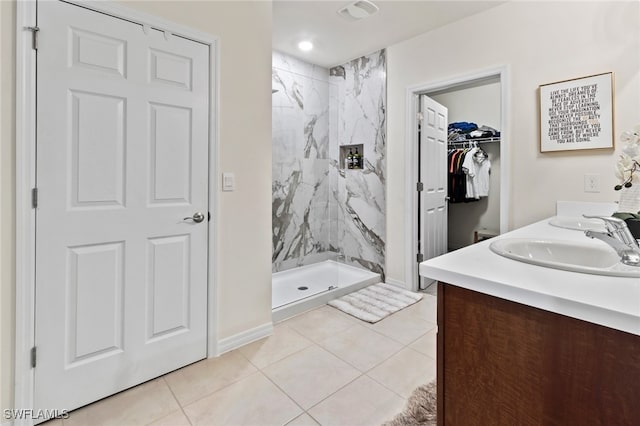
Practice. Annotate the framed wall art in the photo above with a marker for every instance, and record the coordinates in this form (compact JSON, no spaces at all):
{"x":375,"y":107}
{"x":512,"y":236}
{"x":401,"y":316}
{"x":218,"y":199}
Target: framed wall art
{"x":577,"y":114}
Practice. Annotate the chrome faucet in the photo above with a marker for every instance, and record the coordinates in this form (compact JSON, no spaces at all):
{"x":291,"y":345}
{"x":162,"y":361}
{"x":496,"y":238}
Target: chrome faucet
{"x":619,"y":238}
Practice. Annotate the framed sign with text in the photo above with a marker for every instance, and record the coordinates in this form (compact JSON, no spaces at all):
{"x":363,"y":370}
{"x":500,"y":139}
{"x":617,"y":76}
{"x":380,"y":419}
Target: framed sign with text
{"x":577,"y":114}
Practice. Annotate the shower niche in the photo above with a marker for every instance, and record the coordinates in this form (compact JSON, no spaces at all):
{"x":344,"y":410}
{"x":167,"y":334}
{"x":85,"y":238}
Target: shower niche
{"x":351,"y":157}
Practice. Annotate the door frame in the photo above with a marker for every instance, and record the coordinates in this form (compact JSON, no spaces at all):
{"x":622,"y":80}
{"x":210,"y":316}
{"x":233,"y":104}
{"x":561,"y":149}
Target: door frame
{"x":411,"y":163}
{"x":26,"y":15}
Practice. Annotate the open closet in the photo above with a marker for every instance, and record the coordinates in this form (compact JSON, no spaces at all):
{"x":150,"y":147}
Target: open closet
{"x":438,"y":223}
{"x":473,"y":160}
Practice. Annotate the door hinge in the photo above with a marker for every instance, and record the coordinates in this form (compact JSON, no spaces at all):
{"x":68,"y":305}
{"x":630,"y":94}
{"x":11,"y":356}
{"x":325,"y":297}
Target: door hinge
{"x":34,"y":32}
{"x":33,"y":357}
{"x":420,"y":186}
{"x":419,"y":257}
{"x":34,"y":198}
{"x":420,"y":116}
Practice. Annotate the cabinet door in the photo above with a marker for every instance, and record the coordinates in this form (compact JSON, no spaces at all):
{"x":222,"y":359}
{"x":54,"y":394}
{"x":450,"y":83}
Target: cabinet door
{"x":504,"y":363}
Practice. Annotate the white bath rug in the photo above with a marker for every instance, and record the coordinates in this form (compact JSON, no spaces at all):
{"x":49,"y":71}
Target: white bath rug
{"x":375,"y":302}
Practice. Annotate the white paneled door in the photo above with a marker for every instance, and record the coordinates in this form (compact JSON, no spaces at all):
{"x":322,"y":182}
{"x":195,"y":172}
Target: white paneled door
{"x":433,"y":175}
{"x":122,"y":160}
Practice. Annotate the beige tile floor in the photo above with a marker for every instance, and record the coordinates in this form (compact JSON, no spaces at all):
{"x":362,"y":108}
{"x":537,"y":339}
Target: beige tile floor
{"x":320,"y":368}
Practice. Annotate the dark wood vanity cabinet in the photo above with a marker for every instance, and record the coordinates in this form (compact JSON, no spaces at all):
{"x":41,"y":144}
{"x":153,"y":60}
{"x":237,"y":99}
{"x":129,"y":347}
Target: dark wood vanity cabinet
{"x":504,"y":363}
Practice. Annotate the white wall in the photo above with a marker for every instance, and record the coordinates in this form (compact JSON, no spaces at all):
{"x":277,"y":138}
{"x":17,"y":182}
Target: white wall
{"x":480,"y":104}
{"x":244,"y":216}
{"x":541,"y":42}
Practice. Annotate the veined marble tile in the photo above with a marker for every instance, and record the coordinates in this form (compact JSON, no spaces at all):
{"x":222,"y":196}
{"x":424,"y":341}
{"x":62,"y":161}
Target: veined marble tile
{"x":360,"y":196}
{"x":316,"y":119}
{"x":286,"y":62}
{"x":321,"y":210}
{"x":300,"y":163}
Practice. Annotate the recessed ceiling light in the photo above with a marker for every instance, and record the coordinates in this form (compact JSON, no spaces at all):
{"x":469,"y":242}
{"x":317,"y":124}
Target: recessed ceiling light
{"x":305,"y":45}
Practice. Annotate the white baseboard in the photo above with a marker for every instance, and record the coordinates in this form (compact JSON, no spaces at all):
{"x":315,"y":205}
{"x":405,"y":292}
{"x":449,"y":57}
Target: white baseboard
{"x":397,"y":283}
{"x":237,"y":340}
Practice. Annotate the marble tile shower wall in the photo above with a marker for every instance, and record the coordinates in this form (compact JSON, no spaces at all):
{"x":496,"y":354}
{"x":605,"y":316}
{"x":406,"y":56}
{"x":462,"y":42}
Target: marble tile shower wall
{"x":300,"y":175}
{"x":360,"y":194}
{"x":320,"y":210}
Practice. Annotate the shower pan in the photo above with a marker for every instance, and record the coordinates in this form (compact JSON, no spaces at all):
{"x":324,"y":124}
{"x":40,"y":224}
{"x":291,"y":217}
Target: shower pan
{"x":306,"y":287}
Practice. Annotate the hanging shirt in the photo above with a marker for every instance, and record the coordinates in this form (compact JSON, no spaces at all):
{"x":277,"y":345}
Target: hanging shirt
{"x":469,"y":168}
{"x":483,"y":167}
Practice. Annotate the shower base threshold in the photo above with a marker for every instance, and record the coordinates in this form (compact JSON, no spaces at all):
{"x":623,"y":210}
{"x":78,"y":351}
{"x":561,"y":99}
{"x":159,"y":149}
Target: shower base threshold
{"x":301,"y":289}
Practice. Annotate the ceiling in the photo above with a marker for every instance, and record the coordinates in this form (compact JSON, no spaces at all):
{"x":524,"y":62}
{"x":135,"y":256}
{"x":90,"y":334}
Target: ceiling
{"x":337,"y":40}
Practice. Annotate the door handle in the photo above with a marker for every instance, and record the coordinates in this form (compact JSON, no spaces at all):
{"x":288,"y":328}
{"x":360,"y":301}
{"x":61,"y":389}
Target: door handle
{"x":197,"y":217}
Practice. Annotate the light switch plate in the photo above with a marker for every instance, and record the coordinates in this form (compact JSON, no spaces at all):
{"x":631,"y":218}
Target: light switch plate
{"x":228,"y":182}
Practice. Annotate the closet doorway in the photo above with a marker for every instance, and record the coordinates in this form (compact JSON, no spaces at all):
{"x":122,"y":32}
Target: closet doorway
{"x":464,"y":218}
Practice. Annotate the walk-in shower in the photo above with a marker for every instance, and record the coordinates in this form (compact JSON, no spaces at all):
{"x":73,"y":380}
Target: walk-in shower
{"x":328,"y":219}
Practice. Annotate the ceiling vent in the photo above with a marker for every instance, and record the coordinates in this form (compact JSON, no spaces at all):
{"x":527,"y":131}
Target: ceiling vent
{"x":358,"y":10}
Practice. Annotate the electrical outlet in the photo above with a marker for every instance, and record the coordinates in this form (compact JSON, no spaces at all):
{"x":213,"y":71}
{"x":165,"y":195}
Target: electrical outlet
{"x":591,"y":182}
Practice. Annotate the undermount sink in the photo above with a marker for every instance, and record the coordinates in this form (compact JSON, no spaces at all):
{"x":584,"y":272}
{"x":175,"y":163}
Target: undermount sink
{"x":565,"y":255}
{"x":577,"y":223}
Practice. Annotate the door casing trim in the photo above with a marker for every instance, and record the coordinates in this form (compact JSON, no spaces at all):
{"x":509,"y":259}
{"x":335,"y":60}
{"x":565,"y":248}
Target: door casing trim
{"x":26,"y":16}
{"x":411,"y":154}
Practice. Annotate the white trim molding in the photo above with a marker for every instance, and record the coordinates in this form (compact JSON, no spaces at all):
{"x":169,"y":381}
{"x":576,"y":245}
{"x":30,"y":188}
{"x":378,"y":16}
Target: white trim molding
{"x":243,"y":338}
{"x":26,"y":16}
{"x":411,"y":155}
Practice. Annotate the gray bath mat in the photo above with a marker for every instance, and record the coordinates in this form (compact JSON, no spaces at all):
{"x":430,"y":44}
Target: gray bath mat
{"x":375,"y":302}
{"x":421,"y":408}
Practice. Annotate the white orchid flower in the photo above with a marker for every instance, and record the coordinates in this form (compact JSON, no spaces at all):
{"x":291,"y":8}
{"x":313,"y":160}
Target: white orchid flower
{"x":628,"y":165}
{"x":627,"y":137}
{"x":632,"y":150}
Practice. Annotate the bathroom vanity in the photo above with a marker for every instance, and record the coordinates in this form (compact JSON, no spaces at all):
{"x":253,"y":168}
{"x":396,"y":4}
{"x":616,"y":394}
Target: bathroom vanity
{"x":530,"y":345}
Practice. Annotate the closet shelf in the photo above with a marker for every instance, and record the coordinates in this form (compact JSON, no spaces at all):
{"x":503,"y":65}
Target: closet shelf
{"x":476,"y":140}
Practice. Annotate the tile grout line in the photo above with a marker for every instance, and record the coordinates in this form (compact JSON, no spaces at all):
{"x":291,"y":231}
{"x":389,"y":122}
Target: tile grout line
{"x":332,"y":394}
{"x":387,"y":387}
{"x":368,"y":327}
{"x":221,"y":388}
{"x":403,"y":346}
{"x":361,"y":373}
{"x":351,"y":325}
{"x":318,"y":344}
{"x":200,"y":398}
{"x":297,"y":351}
{"x":176,"y":398}
{"x":398,"y":341}
{"x":312,"y":343}
{"x":288,"y":396}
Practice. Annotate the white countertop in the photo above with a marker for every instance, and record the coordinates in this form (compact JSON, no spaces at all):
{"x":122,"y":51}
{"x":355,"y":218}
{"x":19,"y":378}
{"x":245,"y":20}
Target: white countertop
{"x":610,"y":301}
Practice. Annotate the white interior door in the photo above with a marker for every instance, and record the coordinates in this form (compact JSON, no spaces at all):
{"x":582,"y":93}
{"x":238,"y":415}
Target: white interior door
{"x":122,"y":158}
{"x":433,"y":175}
